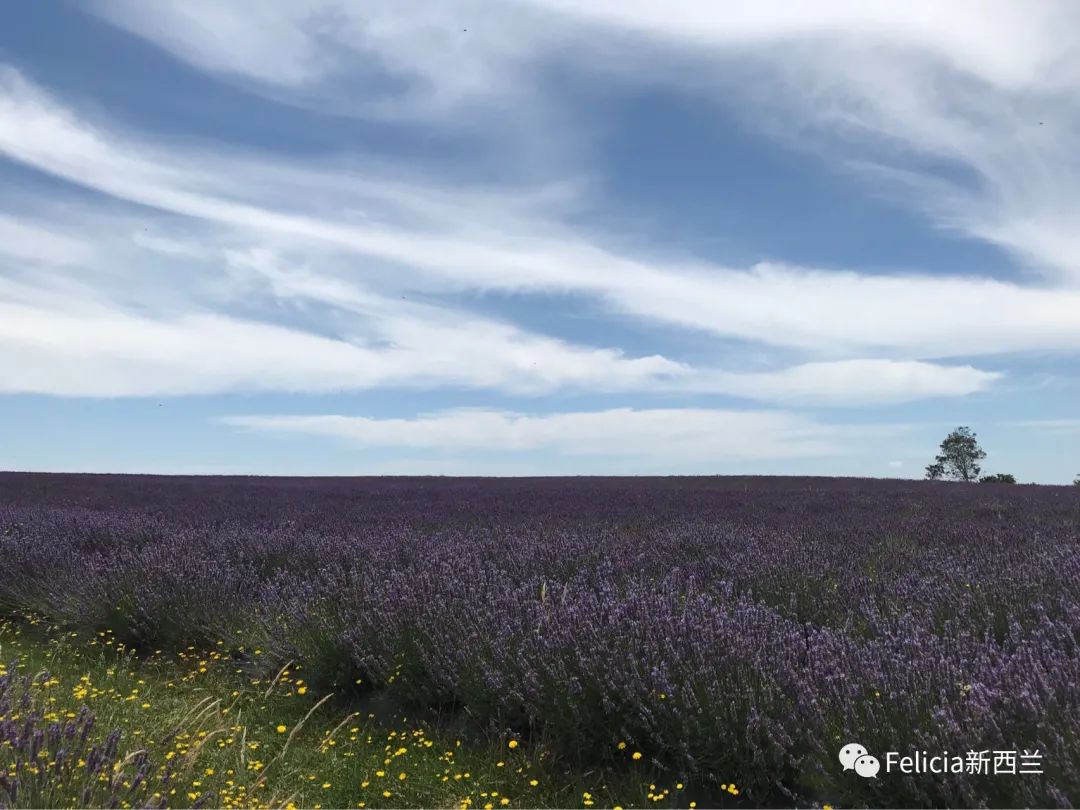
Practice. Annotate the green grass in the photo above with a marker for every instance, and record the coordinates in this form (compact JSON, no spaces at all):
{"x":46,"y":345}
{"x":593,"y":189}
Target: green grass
{"x":237,"y":739}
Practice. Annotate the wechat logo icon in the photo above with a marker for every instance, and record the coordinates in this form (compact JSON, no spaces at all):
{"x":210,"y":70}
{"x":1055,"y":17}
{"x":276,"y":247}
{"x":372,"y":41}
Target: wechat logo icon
{"x":856,"y":758}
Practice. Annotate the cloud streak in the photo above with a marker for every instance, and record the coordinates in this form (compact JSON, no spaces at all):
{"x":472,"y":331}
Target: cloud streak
{"x":833,"y":314}
{"x":68,"y":342}
{"x":988,"y":88}
{"x":682,"y":435}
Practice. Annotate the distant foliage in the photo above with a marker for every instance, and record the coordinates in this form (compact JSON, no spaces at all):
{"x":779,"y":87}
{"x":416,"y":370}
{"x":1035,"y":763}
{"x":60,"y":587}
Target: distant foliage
{"x":998,"y":478}
{"x":959,"y":458}
{"x":744,"y":628}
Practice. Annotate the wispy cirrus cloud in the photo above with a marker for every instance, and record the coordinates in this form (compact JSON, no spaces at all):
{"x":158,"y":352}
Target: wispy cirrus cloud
{"x":432,"y":62}
{"x":107,"y":352}
{"x":65,"y":339}
{"x":660,"y":435}
{"x":966,"y":110}
{"x":386,"y":340}
{"x":25,"y":240}
{"x":828,"y":313}
{"x":984,"y":90}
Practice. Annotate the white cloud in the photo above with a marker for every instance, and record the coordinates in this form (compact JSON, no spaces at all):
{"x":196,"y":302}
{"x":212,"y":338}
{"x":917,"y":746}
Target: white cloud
{"x":967,"y":35}
{"x":294,"y":43}
{"x":448,"y":334}
{"x":168,"y":246}
{"x":990,"y":88}
{"x":104,"y":351}
{"x":895,"y":465}
{"x":111,"y":351}
{"x":66,"y":340}
{"x":985,"y":90}
{"x":275,"y":42}
{"x":680,"y":435}
{"x":839,"y":315}
{"x":857,"y":382}
{"x":36,"y":242}
{"x":372,"y":60}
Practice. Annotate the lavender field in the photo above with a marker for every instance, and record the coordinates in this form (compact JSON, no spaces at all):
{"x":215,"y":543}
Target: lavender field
{"x":726,"y":628}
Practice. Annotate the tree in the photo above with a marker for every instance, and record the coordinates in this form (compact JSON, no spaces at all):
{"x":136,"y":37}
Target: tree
{"x":998,"y":478}
{"x":1076,"y":481}
{"x":959,"y":457}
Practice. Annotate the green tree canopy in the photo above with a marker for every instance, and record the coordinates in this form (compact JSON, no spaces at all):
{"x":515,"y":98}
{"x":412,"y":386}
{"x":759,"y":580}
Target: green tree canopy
{"x":959,"y":457}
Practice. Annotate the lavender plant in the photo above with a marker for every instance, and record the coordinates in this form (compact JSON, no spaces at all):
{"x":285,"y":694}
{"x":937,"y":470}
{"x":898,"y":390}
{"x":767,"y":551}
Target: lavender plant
{"x":722,"y":628}
{"x":48,"y":761}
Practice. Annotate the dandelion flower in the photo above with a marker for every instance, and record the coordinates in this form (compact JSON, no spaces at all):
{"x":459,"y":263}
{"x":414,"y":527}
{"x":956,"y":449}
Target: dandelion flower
{"x":281,"y":729}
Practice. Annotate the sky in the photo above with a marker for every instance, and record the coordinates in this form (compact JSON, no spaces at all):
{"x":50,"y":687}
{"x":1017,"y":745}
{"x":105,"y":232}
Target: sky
{"x":541,"y":237}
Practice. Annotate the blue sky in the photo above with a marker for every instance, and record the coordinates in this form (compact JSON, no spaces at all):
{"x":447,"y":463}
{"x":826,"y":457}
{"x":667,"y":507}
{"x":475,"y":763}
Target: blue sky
{"x":538,"y":238}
